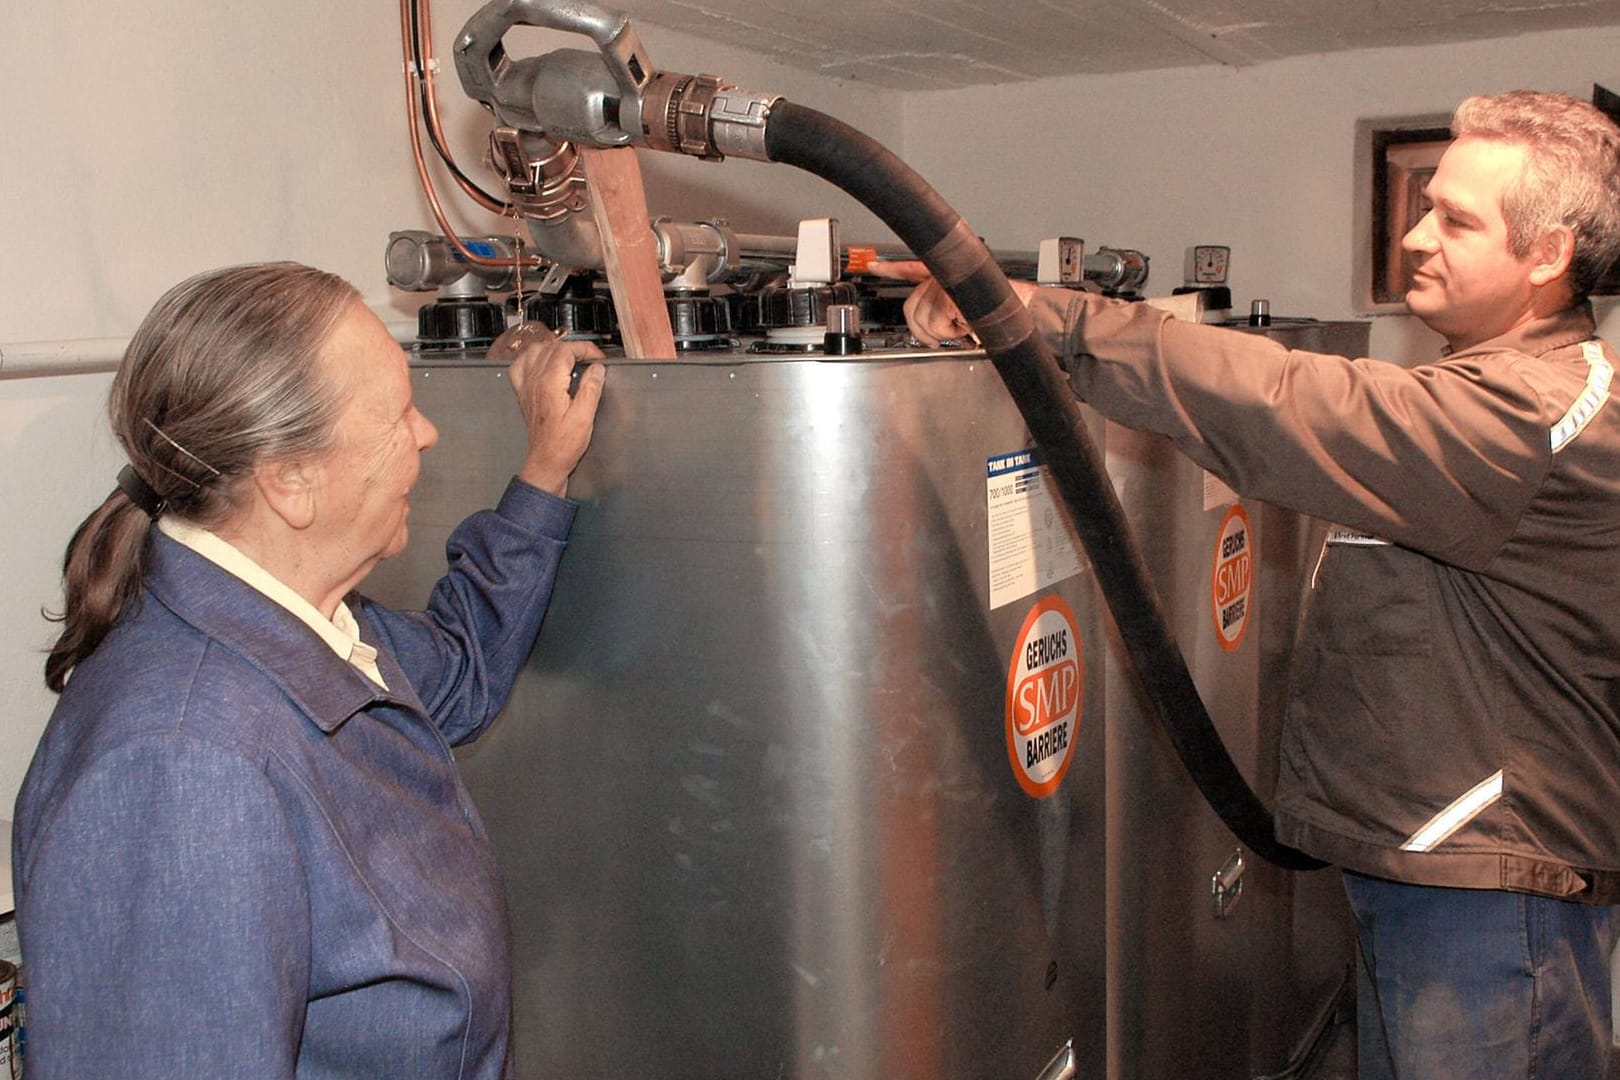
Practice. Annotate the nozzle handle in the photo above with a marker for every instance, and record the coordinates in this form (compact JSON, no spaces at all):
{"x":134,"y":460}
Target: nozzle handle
{"x":481,"y":59}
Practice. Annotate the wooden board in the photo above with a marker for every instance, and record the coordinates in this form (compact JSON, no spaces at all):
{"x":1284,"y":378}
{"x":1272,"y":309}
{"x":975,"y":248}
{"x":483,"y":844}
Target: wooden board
{"x":619,"y":204}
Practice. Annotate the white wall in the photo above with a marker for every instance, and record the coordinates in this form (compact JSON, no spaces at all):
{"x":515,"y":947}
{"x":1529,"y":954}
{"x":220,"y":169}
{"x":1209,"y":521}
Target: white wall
{"x":1259,"y":158}
{"x":146,"y":142}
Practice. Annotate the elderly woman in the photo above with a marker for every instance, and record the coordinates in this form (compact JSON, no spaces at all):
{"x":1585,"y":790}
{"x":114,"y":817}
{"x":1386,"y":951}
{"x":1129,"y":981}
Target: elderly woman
{"x":242,"y":848}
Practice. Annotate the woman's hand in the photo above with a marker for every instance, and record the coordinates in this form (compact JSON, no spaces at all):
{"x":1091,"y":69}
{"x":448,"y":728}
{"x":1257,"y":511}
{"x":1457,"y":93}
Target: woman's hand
{"x":560,"y":421}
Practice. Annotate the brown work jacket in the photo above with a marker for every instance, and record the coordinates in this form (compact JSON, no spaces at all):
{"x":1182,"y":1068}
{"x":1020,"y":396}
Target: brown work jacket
{"x":1454,"y":708}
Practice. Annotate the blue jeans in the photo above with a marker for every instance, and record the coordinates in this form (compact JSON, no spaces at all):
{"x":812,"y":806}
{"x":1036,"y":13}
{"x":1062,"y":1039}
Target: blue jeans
{"x":1458,"y":984}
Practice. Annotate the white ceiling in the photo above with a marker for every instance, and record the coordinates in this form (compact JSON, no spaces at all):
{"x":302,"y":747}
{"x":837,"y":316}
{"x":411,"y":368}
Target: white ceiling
{"x":939,"y":44}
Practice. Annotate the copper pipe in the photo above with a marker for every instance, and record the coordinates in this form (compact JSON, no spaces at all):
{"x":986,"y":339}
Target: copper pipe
{"x":430,"y":103}
{"x":414,"y":122}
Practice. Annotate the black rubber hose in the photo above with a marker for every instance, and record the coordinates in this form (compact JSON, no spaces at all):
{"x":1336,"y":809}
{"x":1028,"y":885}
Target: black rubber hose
{"x":892,"y":190}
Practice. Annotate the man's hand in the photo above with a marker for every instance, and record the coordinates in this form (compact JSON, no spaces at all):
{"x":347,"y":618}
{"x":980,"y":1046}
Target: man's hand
{"x":931,"y":314}
{"x":559,"y":422}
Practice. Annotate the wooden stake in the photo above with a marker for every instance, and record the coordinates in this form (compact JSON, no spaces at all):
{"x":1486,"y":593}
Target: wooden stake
{"x":619,"y":204}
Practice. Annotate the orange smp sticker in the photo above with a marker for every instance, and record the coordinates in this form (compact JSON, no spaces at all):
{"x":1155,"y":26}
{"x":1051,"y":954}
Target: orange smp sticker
{"x":1232,"y":584}
{"x":1045,"y":685}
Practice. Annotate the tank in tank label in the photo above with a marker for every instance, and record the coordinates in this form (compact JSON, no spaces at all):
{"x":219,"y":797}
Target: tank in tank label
{"x":1216,"y":492}
{"x":1045,"y":686}
{"x":1232,"y":578}
{"x":1029,"y":544}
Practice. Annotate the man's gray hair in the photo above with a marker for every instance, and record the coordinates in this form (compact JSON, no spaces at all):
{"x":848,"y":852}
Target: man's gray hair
{"x":1571,"y":175}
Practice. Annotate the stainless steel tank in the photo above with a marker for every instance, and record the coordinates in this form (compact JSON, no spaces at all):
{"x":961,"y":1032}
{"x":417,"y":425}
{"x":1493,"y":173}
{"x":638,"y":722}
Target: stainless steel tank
{"x":758,"y":795}
{"x":1215,"y":957}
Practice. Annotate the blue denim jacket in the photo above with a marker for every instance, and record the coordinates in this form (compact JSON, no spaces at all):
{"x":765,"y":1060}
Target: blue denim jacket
{"x":235,"y":855}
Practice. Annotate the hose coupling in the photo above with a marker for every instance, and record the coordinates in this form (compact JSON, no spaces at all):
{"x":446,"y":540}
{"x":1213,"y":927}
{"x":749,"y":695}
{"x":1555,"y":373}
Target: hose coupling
{"x":705,"y":117}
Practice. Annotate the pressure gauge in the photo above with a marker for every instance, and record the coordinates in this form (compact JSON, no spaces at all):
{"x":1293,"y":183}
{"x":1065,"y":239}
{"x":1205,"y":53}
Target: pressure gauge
{"x":1207,"y":264}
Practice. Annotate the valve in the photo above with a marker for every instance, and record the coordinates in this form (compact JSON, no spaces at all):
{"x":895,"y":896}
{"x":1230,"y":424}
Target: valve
{"x":419,"y":261}
{"x":1120,"y":271}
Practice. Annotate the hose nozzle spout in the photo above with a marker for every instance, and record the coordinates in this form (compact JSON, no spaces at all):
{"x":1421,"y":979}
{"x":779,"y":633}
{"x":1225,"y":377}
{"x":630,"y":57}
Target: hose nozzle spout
{"x":611,"y":98}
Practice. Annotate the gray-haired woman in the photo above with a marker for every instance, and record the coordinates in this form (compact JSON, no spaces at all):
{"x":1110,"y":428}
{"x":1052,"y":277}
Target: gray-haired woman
{"x":242,"y":848}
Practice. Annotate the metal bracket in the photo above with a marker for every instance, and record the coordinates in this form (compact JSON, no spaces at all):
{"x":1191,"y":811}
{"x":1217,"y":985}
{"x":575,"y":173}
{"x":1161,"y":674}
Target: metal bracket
{"x":1061,"y":1067}
{"x":1226,"y":886}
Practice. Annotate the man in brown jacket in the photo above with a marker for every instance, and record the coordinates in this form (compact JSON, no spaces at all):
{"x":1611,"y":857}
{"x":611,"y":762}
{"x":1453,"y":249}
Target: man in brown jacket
{"x":1453,"y":732}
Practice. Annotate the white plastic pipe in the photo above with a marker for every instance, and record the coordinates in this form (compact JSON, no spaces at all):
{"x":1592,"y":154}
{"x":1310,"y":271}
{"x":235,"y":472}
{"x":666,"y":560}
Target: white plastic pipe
{"x":82,"y":356}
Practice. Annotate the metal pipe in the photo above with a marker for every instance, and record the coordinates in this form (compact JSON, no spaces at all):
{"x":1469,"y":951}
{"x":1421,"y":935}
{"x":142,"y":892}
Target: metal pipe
{"x":414,"y":123}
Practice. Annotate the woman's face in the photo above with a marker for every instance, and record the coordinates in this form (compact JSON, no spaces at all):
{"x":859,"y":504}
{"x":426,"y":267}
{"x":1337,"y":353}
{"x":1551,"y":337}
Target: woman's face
{"x":362,"y":485}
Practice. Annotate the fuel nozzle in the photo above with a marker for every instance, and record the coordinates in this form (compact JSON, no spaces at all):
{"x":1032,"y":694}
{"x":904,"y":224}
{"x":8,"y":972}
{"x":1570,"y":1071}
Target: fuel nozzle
{"x":613,"y":97}
{"x":569,"y":94}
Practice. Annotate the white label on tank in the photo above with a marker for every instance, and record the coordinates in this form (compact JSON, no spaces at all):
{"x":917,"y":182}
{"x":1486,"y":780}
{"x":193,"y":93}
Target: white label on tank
{"x":1216,"y":493}
{"x":1030,"y":546}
